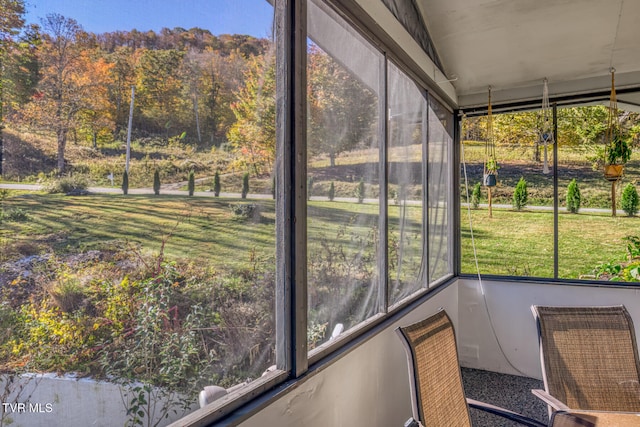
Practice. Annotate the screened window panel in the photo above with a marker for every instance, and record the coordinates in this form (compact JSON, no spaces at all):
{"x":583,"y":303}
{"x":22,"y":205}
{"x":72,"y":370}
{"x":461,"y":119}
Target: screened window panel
{"x":406,"y":148}
{"x":439,"y":190}
{"x":343,"y":143}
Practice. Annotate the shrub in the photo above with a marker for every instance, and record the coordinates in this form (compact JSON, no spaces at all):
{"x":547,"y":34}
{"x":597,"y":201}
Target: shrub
{"x":125,"y":183}
{"x":332,"y":191}
{"x":242,"y":210}
{"x":216,"y":184}
{"x":245,"y":185}
{"x":191,"y":186}
{"x":66,"y":185}
{"x":476,"y":195}
{"x":573,"y":197}
{"x":520,"y":194}
{"x":630,"y":200}
{"x":156,"y":182}
{"x":15,"y":215}
{"x":360,"y":191}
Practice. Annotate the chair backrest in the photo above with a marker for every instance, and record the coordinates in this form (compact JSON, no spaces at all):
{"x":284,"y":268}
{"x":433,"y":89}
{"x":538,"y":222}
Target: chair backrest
{"x":437,"y":392}
{"x":589,"y":357}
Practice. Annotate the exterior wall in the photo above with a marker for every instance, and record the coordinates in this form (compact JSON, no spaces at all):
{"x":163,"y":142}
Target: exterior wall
{"x":505,"y":307}
{"x":368,"y":386}
{"x":48,"y":400}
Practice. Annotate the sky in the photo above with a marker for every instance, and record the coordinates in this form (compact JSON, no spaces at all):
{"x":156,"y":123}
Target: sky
{"x":251,"y":17}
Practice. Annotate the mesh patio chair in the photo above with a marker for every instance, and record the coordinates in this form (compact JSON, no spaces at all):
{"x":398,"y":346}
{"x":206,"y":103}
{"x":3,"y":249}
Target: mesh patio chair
{"x":589,"y":358}
{"x":437,"y":393}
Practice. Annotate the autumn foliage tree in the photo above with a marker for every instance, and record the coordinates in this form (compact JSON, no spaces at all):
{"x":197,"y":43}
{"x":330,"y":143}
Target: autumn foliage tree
{"x":253,"y":135}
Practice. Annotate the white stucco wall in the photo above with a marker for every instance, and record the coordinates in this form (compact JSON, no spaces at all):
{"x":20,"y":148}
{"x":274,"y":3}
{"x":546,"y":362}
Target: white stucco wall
{"x":497,"y":332}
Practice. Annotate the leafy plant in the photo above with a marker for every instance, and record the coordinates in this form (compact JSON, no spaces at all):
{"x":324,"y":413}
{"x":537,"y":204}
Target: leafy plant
{"x":242,"y":210}
{"x":476,"y":195}
{"x":573,"y":197}
{"x":191,"y":186}
{"x":520,"y":194}
{"x":630,"y":200}
{"x":156,"y":182}
{"x":216,"y":184}
{"x":492,"y":165}
{"x":245,"y":185}
{"x":618,"y":149}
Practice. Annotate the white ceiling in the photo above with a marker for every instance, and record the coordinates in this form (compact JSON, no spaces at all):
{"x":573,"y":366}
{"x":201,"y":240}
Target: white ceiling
{"x":513,"y":45}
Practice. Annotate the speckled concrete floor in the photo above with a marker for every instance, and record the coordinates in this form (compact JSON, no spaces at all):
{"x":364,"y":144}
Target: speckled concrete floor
{"x":508,"y":391}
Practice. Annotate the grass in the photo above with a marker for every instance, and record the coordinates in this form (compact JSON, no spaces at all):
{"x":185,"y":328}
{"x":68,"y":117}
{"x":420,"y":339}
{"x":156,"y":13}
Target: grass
{"x":521,"y":243}
{"x":197,"y":228}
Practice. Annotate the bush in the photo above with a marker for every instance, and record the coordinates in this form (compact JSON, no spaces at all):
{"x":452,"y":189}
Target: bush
{"x":245,"y":185}
{"x":65,"y":185}
{"x":332,"y":191}
{"x":15,"y":215}
{"x":360,"y":191}
{"x":630,"y":200}
{"x":476,"y":195}
{"x":156,"y":182}
{"x":242,"y":210}
{"x":520,"y":194}
{"x":125,"y":183}
{"x":216,"y":184}
{"x":191,"y":186}
{"x":573,"y":197}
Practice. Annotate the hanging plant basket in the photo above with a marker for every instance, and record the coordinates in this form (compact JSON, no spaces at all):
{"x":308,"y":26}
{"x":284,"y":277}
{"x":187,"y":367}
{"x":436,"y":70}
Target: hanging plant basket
{"x":490,"y":180}
{"x":613,"y":172}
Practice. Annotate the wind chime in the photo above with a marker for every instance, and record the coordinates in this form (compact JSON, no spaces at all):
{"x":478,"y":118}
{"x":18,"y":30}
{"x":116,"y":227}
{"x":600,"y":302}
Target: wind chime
{"x":490,"y":162}
{"x":546,"y":131}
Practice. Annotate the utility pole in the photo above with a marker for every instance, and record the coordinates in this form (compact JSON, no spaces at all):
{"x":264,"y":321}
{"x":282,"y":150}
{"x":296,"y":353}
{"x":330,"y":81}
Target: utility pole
{"x":126,"y":167}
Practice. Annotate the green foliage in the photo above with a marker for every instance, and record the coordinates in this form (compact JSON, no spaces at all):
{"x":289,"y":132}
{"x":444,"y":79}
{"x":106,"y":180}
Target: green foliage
{"x":156,"y":182}
{"x":630,"y":199}
{"x":216,"y":184}
{"x":332,"y":191}
{"x":245,"y":185}
{"x":573,"y":199}
{"x":14,"y":215}
{"x":476,"y":195}
{"x":618,"y":151}
{"x":520,"y":195}
{"x":191,"y":186}
{"x":125,"y":183}
{"x":360,"y":191}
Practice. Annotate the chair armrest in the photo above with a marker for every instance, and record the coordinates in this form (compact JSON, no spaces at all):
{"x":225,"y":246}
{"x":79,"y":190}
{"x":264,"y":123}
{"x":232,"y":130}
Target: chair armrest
{"x":505,"y":413}
{"x":411,"y":422}
{"x":550,"y":400}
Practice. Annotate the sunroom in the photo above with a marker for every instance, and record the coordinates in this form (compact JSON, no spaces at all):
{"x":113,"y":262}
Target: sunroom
{"x":387,"y":114}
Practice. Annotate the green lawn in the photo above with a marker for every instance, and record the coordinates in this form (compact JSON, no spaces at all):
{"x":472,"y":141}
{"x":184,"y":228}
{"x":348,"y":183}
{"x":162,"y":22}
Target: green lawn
{"x":521,"y":243}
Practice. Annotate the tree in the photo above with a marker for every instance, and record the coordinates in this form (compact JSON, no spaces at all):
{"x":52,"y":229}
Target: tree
{"x":476,"y":195}
{"x":342,"y":110}
{"x":156,"y":182}
{"x":191,"y":186}
{"x":11,"y":20}
{"x":65,"y":88}
{"x":216,"y":184}
{"x":245,"y":185}
{"x":630,"y":199}
{"x":520,"y":194}
{"x":125,"y":183}
{"x":573,"y":197}
{"x":253,"y":135}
